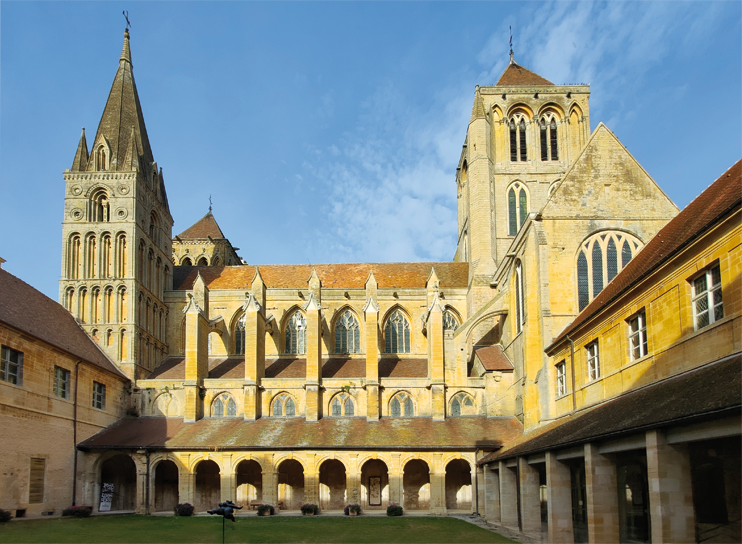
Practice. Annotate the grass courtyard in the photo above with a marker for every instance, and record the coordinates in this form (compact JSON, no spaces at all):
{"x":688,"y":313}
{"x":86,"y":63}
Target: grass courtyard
{"x":131,"y":528}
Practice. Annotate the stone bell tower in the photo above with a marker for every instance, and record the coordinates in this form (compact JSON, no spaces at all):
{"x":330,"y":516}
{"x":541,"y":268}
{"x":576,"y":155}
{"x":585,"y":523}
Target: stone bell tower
{"x":523,"y":135}
{"x":117,"y":234}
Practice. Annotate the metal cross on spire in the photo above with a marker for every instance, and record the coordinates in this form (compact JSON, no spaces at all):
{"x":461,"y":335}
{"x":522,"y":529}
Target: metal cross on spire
{"x":209,"y":203}
{"x":511,"y":44}
{"x":126,"y":16}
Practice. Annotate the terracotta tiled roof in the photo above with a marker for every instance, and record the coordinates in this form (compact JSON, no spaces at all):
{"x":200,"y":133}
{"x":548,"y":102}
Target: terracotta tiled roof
{"x":709,"y":207}
{"x":173,"y":368}
{"x":710,"y":390}
{"x":493,"y":358}
{"x":26,"y":309}
{"x":515,"y":74}
{"x":348,"y":276}
{"x":268,"y":433}
{"x":206,"y":227}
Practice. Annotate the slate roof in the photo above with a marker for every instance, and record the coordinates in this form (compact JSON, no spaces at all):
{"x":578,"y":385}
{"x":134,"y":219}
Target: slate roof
{"x":229,"y":368}
{"x":206,"y":227}
{"x":31,"y":312}
{"x":493,"y":358}
{"x":713,"y":204}
{"x":333,"y":276}
{"x":267,"y":433}
{"x":515,"y":75}
{"x":708,"y":391}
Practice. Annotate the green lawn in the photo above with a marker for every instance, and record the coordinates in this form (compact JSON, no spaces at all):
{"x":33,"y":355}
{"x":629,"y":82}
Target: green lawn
{"x":130,"y":528}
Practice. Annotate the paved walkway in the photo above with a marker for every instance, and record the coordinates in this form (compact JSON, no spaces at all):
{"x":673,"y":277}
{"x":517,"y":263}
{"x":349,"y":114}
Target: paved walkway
{"x":496,"y":528}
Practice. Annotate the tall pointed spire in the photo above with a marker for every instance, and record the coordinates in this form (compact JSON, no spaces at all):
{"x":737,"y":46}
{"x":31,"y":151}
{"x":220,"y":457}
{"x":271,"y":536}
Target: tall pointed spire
{"x":131,"y":162}
{"x":122,"y":112}
{"x":126,"y":51}
{"x":80,"y":164}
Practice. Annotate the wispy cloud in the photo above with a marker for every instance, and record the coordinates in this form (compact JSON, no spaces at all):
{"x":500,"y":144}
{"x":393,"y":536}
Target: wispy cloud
{"x":389,"y":184}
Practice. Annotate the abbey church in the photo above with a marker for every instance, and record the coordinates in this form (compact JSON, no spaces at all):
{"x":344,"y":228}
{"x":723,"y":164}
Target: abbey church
{"x":572,"y":374}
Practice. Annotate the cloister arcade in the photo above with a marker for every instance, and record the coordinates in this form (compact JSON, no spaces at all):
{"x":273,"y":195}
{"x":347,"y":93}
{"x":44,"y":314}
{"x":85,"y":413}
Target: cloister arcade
{"x":425,"y":481}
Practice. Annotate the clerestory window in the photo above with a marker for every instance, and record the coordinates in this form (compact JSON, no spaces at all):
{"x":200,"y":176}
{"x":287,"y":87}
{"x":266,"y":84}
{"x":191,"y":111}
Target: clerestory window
{"x":283,"y":406}
{"x":342,"y":405}
{"x":462,"y":405}
{"x":402,"y":406}
{"x":397,"y":333}
{"x":347,"y":334}
{"x":224,"y":406}
{"x":296,"y":334}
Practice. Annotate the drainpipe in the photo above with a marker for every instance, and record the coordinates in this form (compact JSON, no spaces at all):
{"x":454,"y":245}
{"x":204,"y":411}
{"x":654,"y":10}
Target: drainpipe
{"x":572,"y":369}
{"x":74,"y":437}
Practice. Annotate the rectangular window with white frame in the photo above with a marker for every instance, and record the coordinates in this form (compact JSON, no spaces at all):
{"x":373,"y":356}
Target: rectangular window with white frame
{"x":638,"y":335}
{"x":593,"y":361}
{"x":561,"y":379}
{"x":11,"y":365}
{"x":99,"y":396}
{"x":61,"y":382}
{"x":707,"y":303}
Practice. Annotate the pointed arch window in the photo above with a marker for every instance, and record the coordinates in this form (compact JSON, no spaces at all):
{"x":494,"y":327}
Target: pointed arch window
{"x":518,"y":147}
{"x":283,"y":406}
{"x":186,"y":262}
{"x":402,"y":406}
{"x":549,"y":139}
{"x":519,"y":299}
{"x":517,"y":207}
{"x":224,"y":406}
{"x":342,"y":405}
{"x":450,"y":322}
{"x":296,"y":334}
{"x":598,"y":262}
{"x":397,"y":333}
{"x":239,"y":336}
{"x":347,"y":334}
{"x":462,"y":405}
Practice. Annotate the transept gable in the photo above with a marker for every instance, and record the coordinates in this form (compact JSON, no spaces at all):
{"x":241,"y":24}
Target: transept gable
{"x":607,"y":182}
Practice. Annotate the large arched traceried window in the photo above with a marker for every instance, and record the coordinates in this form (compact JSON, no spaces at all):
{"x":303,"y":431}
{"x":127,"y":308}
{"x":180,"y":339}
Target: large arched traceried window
{"x":283,"y":406}
{"x":397,"y":333}
{"x":402,"y":406}
{"x":598,"y":262}
{"x":296,"y":334}
{"x":347,"y":334}
{"x":239,"y":336}
{"x":342,"y":405}
{"x":517,"y":207}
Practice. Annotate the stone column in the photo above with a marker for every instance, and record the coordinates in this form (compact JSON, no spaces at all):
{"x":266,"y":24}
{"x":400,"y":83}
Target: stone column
{"x":141,"y":494}
{"x":371,"y":312}
{"x":670,"y":492}
{"x":508,"y":497}
{"x":226,"y":479}
{"x":602,"y":496}
{"x":185,"y":486}
{"x":491,"y":510}
{"x":559,"y":500}
{"x":353,"y":480}
{"x":314,"y":358}
{"x":270,"y":481}
{"x":395,"y":479}
{"x":530,"y":503}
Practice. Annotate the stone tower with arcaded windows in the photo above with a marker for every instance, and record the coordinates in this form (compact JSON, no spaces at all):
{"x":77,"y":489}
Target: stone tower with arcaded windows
{"x":523,"y":135}
{"x":117,"y":230}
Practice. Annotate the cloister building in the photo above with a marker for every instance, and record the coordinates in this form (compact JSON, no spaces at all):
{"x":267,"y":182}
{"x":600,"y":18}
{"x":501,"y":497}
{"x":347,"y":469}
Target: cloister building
{"x":431,"y":385}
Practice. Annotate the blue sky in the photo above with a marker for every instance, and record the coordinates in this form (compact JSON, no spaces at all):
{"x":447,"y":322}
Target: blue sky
{"x":330,"y":132}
